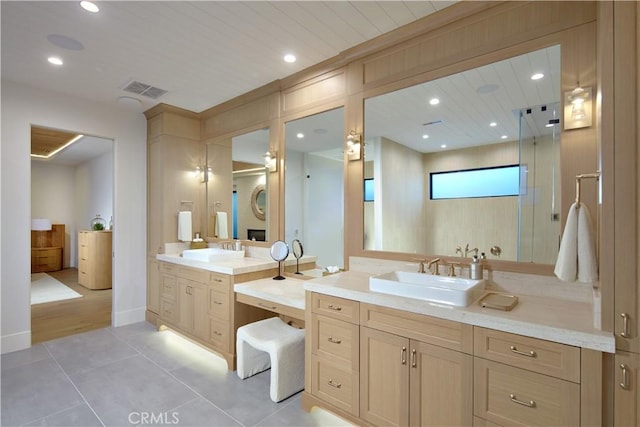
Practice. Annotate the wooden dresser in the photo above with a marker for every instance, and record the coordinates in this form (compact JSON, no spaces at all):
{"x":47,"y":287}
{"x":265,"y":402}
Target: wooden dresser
{"x":94,"y":259}
{"x":47,"y":249}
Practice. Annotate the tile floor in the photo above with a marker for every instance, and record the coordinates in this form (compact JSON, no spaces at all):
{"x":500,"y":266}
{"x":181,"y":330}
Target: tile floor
{"x":136,"y":375}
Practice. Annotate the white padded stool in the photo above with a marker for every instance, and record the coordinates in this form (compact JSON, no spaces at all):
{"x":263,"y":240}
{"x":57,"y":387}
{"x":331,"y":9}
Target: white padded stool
{"x":272,"y":343}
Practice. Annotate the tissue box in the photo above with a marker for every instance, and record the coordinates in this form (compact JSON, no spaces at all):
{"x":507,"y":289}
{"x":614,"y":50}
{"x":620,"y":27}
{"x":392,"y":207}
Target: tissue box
{"x":198,"y":245}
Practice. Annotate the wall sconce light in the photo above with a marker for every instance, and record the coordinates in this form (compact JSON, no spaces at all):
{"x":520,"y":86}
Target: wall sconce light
{"x":201,"y":174}
{"x":577,"y":108}
{"x":271,"y":161}
{"x":354,"y":147}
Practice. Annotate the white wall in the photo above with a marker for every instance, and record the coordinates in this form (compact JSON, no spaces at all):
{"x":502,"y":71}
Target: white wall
{"x":23,"y":106}
{"x":94,"y":190}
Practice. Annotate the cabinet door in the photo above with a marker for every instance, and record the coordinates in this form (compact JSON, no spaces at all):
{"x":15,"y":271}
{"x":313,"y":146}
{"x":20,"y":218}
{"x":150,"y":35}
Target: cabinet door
{"x":627,"y":390}
{"x":441,"y":386}
{"x":384,"y":378}
{"x":153,"y":286}
{"x":185,"y":305}
{"x":200,"y":310}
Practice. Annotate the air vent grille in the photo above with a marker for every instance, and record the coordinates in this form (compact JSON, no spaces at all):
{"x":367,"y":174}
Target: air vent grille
{"x":144,"y":89}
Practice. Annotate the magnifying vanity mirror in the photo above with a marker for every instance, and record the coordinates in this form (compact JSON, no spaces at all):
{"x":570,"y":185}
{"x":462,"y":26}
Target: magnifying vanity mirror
{"x":241,"y":187}
{"x":314,"y":185}
{"x":436,"y":152}
{"x":279,"y":252}
{"x":298,"y":251}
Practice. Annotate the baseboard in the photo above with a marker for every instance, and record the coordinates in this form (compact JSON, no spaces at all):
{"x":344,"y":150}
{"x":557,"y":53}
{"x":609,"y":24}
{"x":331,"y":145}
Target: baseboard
{"x":15,"y":342}
{"x":122,"y":318}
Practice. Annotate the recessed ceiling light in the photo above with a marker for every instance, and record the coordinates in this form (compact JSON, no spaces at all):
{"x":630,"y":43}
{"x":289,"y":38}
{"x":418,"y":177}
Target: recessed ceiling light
{"x":537,"y":76}
{"x":129,"y":101}
{"x":89,"y":6}
{"x":289,"y":57}
{"x":503,"y":137}
{"x":64,"y":42}
{"x":443,"y":146}
{"x":488,"y":88}
{"x":300,"y":135}
{"x":55,"y":60}
{"x":434,"y":101}
{"x":493,"y":124}
{"x":425,"y":136}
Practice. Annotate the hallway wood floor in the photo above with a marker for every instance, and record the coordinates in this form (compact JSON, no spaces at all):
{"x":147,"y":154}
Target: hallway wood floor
{"x":68,"y":317}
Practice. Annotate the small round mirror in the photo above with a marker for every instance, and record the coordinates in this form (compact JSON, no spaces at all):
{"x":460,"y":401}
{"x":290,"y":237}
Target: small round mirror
{"x":279,"y":252}
{"x":297,"y":249}
{"x":259,"y":201}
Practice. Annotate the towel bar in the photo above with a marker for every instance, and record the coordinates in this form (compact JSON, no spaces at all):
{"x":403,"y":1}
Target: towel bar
{"x":581,"y":176}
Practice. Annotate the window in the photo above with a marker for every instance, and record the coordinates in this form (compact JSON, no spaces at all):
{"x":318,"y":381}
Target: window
{"x":368,"y":190}
{"x":486,"y":182}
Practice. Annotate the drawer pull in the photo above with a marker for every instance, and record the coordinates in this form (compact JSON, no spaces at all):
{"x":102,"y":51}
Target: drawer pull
{"x":625,"y":325}
{"x":625,"y":380}
{"x":267,"y":306}
{"x":413,"y":358}
{"x":217,"y":333}
{"x":334,"y":307}
{"x":335,"y":341}
{"x":529,"y":404}
{"x":403,"y":355}
{"x":217,"y":302}
{"x":332,"y":384}
{"x":217,"y":280}
{"x":522,"y":353}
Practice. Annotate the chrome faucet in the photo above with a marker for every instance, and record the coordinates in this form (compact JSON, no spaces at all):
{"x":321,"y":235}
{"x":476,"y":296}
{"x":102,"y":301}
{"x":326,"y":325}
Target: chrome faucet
{"x":432,"y":266}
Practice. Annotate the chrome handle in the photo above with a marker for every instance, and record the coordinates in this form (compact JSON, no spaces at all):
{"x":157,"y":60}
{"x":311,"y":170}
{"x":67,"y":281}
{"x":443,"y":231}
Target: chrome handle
{"x":529,"y":404}
{"x":217,"y":333}
{"x":332,"y":384}
{"x":217,"y":280}
{"x":403,"y":355}
{"x":335,"y":341}
{"x":522,"y":353}
{"x":336,"y":308}
{"x":625,"y":380}
{"x":413,"y":358}
{"x":217,"y":302}
{"x":267,"y":306}
{"x":625,"y":325}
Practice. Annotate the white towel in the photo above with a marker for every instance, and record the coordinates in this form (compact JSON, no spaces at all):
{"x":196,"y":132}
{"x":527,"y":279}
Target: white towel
{"x":184,"y":226}
{"x":221,"y":225}
{"x":577,"y":255}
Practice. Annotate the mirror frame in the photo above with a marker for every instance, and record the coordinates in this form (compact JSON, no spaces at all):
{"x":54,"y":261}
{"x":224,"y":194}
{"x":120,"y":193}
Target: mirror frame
{"x":570,"y":60}
{"x":255,"y":207}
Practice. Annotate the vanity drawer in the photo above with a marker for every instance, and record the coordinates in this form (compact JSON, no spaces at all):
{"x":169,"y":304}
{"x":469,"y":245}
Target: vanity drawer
{"x":443,"y":333}
{"x":169,"y":287}
{"x":221,"y":280}
{"x":192,"y":274}
{"x":334,"y":307}
{"x":168,"y":310}
{"x":336,"y":339}
{"x":545,"y":357}
{"x":331,"y":382}
{"x":510,"y":396}
{"x":219,"y":333}
{"x":168,"y":268}
{"x":218,"y":304}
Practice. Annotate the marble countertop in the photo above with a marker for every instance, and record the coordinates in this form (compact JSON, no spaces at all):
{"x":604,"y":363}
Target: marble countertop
{"x":289,"y":292}
{"x":552,"y":319}
{"x":232,"y":266}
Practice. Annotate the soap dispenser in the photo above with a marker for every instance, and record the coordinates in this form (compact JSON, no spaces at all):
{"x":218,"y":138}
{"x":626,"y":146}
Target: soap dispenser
{"x":475,"y":268}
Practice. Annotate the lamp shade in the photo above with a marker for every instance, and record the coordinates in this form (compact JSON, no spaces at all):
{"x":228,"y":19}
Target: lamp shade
{"x":41,"y":224}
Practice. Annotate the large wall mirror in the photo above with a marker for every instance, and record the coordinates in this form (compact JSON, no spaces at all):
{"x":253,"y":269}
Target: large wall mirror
{"x":437,"y":154}
{"x":246,"y":198}
{"x":314,"y":185}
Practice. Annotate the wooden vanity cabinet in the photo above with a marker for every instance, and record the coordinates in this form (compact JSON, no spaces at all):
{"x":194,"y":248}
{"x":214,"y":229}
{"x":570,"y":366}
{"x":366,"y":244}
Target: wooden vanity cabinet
{"x":192,"y":302}
{"x":627,"y":389}
{"x":94,"y":259}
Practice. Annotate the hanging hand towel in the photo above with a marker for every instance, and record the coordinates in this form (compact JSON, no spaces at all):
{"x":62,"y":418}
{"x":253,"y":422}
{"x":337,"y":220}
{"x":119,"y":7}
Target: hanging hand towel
{"x":567,"y":262}
{"x":221,"y":225}
{"x":184,"y":226}
{"x":587,"y":262}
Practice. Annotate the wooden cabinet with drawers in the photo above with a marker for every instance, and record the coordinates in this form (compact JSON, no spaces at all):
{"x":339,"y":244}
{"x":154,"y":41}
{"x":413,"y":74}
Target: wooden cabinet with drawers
{"x":47,"y":249}
{"x":46,"y":259}
{"x":94,"y":259}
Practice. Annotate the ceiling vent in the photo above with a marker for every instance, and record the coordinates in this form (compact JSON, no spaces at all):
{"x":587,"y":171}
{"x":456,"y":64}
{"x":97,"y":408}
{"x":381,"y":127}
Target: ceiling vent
{"x":144,"y":89}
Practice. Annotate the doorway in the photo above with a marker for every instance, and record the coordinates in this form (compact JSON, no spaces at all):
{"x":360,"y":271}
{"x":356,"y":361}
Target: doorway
{"x":72,"y":181}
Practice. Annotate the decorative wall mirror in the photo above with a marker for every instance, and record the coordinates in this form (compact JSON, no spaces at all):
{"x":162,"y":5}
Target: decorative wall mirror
{"x":240,"y":186}
{"x":314,"y":185}
{"x":488,"y":117}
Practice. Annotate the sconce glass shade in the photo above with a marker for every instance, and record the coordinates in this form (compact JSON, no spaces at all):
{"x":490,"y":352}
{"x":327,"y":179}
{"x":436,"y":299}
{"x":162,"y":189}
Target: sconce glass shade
{"x":271,"y":161}
{"x":353,"y":146}
{"x":577,"y":108}
{"x":40,"y":224}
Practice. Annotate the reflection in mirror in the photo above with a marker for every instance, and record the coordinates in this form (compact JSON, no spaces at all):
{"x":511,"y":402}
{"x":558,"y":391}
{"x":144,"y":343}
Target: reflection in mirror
{"x":480,"y":119}
{"x":314,"y":185}
{"x":298,"y":251}
{"x":250,"y":186}
{"x":279,"y":252}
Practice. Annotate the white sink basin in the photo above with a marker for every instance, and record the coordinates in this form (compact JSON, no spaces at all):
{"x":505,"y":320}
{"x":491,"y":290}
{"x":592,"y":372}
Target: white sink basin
{"x":445,"y":290}
{"x":212,"y":254}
